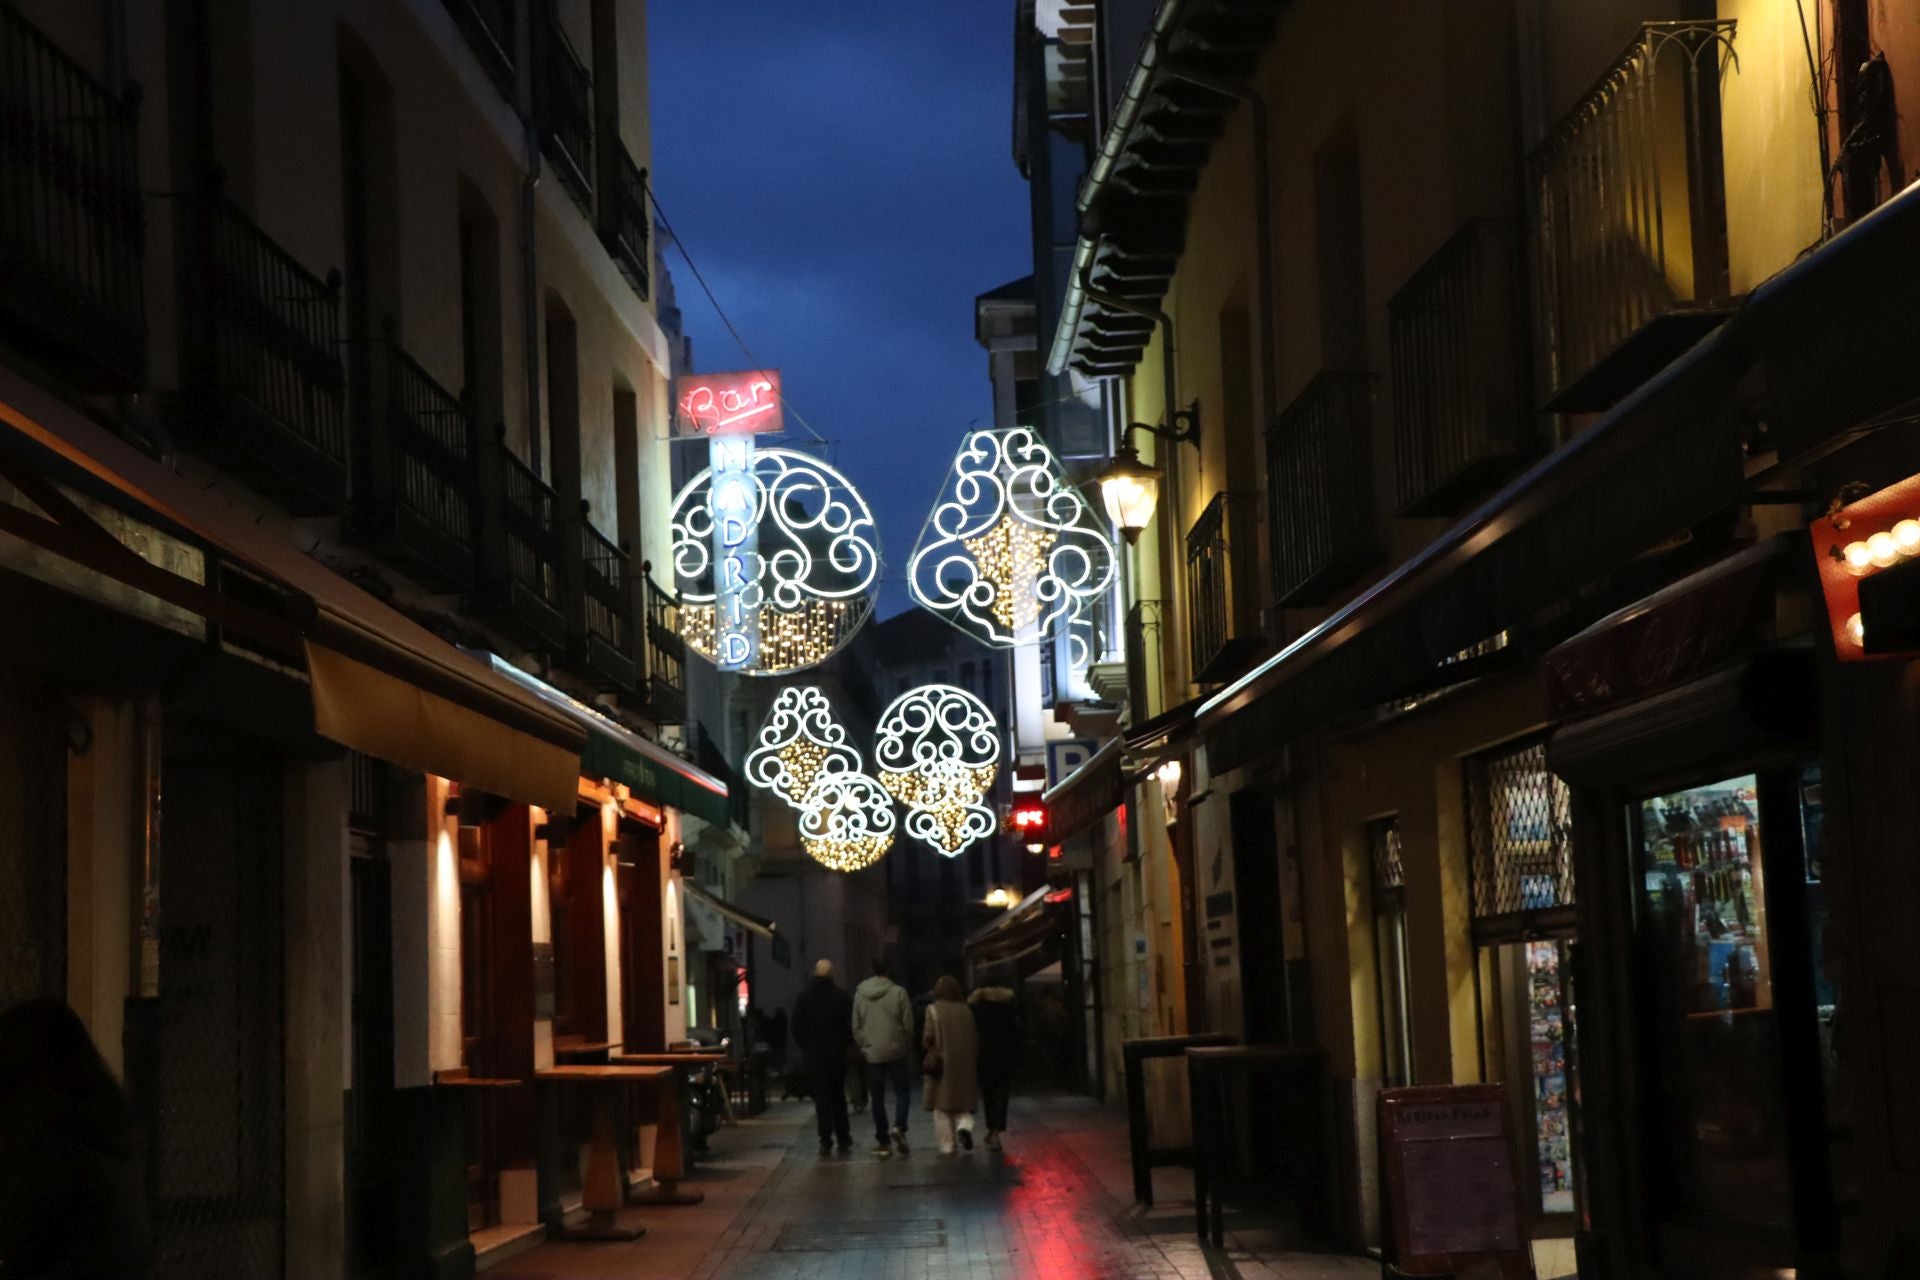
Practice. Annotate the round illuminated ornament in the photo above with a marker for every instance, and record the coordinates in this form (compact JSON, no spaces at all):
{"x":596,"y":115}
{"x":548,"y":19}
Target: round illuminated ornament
{"x":799,"y":742}
{"x":846,"y":821}
{"x":937,"y":749}
{"x":775,"y":560}
{"x":1011,"y":549}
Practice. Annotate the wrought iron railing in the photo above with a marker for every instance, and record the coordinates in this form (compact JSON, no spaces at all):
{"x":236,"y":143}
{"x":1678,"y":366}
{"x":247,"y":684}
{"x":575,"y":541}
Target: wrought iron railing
{"x":666,"y":656}
{"x":72,"y":224}
{"x":1319,"y":499}
{"x":528,"y":513}
{"x":1460,"y":411}
{"x":625,"y":219}
{"x":1221,"y":600}
{"x":1628,"y":198}
{"x":1143,"y":659}
{"x":430,"y":442}
{"x":608,"y":597}
{"x":563,"y":107}
{"x":488,"y":27}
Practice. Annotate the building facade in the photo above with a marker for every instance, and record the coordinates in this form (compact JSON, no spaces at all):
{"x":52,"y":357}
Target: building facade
{"x":344,"y":707}
{"x":1519,"y":380}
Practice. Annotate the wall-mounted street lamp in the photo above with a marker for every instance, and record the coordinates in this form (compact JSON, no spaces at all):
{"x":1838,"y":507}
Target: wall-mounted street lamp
{"x":1130,"y":488}
{"x":1001,"y":898}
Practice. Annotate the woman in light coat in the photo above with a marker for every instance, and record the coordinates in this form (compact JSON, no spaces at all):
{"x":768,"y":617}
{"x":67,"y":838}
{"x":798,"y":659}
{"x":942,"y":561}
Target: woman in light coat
{"x":953,"y":1048}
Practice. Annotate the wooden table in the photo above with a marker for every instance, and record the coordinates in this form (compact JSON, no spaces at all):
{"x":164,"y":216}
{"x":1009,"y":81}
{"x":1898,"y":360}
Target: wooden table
{"x":601,"y":1192}
{"x":1144,"y":1156}
{"x":1209,"y":1068}
{"x":669,"y":1151}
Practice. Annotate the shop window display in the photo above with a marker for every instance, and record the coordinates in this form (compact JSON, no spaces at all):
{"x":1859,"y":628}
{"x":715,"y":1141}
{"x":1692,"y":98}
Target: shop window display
{"x":1547,"y":1042}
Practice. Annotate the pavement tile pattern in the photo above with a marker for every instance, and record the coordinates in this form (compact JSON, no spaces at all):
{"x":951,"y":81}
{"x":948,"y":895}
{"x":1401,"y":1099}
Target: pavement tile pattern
{"x":1057,"y":1205}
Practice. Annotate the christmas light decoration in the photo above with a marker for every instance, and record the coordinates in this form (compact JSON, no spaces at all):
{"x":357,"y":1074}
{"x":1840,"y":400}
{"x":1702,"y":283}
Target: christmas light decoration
{"x":938,"y":751}
{"x":800,"y":742}
{"x":846,"y":821}
{"x":775,"y":557}
{"x":1010,"y":549}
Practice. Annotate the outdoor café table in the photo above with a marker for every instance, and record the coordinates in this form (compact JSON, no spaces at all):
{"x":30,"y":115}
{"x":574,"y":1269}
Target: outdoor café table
{"x":1146,"y":1157}
{"x":669,"y":1153}
{"x":601,"y":1193}
{"x":1210,"y":1070}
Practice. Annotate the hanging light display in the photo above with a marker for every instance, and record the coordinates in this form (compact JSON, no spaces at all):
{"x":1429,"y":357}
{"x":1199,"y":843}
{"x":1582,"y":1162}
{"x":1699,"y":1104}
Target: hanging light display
{"x":1011,"y":549}
{"x":775,"y":556}
{"x":938,"y":751}
{"x":799,"y":742}
{"x":846,"y":821}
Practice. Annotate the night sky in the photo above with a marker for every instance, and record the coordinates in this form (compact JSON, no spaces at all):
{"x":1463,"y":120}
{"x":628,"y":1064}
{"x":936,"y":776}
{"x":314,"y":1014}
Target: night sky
{"x":841,"y":171}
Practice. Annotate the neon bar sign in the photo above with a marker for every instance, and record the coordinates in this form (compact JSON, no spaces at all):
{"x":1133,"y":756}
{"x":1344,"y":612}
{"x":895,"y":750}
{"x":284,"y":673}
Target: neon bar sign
{"x":729,"y":404}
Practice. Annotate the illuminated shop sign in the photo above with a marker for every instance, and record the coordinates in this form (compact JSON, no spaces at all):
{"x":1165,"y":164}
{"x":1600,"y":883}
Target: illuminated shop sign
{"x":728,"y":404}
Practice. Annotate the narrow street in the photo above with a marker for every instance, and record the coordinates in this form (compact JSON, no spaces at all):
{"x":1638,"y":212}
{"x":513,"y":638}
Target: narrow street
{"x":1055,"y":1204}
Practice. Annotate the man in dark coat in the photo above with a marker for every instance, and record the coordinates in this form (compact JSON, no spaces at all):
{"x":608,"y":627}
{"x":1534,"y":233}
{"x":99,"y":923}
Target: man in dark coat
{"x":822,"y":1031}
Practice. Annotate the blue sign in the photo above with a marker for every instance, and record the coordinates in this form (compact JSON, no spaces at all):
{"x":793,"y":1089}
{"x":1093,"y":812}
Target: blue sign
{"x":1064,"y":755}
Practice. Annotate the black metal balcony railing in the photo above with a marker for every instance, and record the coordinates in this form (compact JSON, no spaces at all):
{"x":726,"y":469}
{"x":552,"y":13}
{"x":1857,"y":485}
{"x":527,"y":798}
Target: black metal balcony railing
{"x":1143,"y":659}
{"x":608,"y":598}
{"x":1629,"y":217}
{"x":72,"y":224}
{"x":625,"y":219}
{"x":266,"y":386}
{"x":666,"y":656}
{"x":1461,"y":414}
{"x":1319,"y":499}
{"x":529,"y":511}
{"x":1222,"y":603}
{"x":563,"y":107}
{"x":488,"y":27}
{"x":417,"y":487}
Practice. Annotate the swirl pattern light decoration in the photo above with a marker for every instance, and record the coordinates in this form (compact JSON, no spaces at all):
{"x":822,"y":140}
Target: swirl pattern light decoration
{"x":799,"y":742}
{"x":938,"y":750}
{"x":807,"y":581}
{"x":1011,"y":549}
{"x":846,"y":821}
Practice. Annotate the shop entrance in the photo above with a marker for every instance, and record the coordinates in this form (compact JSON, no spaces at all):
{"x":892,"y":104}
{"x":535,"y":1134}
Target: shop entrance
{"x":369,"y":1153}
{"x":33,"y":840}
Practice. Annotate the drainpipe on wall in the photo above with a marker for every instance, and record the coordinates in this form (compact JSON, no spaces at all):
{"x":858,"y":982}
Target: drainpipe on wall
{"x":530,"y":290}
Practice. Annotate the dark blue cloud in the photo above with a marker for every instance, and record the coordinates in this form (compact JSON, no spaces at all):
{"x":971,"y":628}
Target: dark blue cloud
{"x":841,"y":170}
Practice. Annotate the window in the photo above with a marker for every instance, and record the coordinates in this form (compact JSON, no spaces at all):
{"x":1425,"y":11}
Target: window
{"x":1390,"y":950}
{"x":1521,"y":823}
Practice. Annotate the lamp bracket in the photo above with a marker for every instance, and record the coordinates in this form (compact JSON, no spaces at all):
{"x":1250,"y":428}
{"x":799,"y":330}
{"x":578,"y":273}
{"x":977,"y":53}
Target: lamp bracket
{"x":1185,"y":428}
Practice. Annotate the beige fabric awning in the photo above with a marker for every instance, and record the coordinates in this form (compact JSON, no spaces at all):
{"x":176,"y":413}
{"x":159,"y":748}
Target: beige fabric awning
{"x":382,"y":683}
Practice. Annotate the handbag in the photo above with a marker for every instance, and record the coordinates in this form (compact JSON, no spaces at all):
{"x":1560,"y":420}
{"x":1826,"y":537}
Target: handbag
{"x":931,"y":1065}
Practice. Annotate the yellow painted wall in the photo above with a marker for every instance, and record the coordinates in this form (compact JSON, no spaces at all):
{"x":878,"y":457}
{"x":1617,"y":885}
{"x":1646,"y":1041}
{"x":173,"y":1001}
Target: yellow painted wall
{"x":1770,"y":142}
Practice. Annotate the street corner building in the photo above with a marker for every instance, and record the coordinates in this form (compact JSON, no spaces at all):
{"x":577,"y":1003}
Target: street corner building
{"x":346,"y":774}
{"x":1511,"y":413}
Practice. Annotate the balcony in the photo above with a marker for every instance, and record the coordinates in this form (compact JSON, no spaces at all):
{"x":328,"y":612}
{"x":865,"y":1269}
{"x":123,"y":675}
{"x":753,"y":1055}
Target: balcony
{"x":625,"y":222}
{"x":666,"y":656}
{"x":416,"y":486}
{"x":1223,"y":617}
{"x":602,"y":612}
{"x":521,"y":589}
{"x":1462,"y":414}
{"x":264,"y":388}
{"x":1630,"y":220}
{"x":488,"y":27}
{"x":72,"y":225}
{"x":1319,"y":495}
{"x":563,"y":108}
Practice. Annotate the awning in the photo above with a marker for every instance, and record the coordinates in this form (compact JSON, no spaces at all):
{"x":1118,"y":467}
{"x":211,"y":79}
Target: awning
{"x":382,"y":684}
{"x":1027,"y":926}
{"x":1086,"y":795}
{"x":739,"y":915}
{"x":614,"y":751}
{"x":1661,"y":461}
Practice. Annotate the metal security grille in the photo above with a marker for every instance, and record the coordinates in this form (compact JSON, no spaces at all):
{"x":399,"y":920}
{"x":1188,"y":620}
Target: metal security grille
{"x":33,"y":841}
{"x":1521,"y":819}
{"x":216,"y":1136}
{"x":1389,"y":866}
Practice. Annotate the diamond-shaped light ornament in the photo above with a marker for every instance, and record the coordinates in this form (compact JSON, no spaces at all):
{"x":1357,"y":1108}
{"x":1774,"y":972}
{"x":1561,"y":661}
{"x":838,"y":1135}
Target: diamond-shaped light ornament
{"x":938,"y":749}
{"x":800,"y":741}
{"x":1011,"y":550}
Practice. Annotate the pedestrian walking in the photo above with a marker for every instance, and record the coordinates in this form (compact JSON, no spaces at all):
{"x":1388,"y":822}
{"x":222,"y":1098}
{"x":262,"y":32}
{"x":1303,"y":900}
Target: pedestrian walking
{"x":823,"y":1033}
{"x":996,"y":1022}
{"x":951,"y":1065}
{"x":72,"y":1198}
{"x":883,"y":1027}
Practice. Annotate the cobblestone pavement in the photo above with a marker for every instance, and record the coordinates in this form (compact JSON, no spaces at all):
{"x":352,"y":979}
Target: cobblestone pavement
{"x":1057,"y":1203}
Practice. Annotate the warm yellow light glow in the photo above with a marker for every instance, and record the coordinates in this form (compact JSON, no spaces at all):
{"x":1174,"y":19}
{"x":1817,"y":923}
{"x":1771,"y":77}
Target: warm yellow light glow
{"x":1000,"y":898}
{"x":1906,"y":536}
{"x":1011,"y":556}
{"x":1169,"y":775}
{"x":1882,"y":549}
{"x":789,"y":639}
{"x":1858,"y":558}
{"x":1130,"y":489}
{"x":1856,"y":631}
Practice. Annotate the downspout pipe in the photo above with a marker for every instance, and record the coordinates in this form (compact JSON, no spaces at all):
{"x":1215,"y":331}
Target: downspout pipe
{"x":530,"y":286}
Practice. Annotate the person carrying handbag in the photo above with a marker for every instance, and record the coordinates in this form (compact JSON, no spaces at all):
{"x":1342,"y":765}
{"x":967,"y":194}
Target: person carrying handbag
{"x":950,"y":1066}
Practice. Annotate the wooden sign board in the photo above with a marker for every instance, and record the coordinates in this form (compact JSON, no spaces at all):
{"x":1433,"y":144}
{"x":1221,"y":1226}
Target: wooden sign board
{"x":1449,"y":1199}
